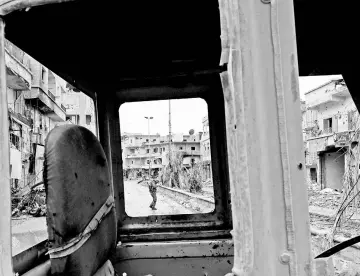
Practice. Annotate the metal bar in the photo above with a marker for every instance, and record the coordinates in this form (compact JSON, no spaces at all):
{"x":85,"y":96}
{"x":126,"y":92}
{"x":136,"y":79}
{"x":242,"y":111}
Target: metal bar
{"x":5,"y":200}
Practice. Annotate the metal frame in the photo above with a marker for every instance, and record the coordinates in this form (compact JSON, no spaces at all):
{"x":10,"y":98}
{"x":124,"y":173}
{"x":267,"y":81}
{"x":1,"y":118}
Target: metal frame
{"x":260,"y":89}
{"x":163,"y":227}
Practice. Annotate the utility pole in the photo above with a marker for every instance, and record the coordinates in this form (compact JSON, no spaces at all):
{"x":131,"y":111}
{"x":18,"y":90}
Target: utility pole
{"x":149,"y":118}
{"x":170,"y":146}
{"x":170,"y":134}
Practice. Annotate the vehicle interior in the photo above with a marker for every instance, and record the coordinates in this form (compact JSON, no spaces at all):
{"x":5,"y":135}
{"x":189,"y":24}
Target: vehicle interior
{"x":117,"y":52}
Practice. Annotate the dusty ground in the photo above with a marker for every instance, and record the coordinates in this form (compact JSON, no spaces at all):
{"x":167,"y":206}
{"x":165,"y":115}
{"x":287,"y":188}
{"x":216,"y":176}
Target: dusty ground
{"x":138,"y":199}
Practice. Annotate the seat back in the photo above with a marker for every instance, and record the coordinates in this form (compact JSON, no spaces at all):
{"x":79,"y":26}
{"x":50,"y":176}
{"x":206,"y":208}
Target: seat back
{"x":78,"y":183}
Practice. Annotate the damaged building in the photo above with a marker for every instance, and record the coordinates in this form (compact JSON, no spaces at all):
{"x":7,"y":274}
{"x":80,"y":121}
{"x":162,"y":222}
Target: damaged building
{"x":35,"y":107}
{"x":330,"y":126}
{"x":36,"y":104}
{"x":141,"y":152}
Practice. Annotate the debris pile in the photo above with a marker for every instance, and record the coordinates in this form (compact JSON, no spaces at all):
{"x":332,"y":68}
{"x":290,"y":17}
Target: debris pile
{"x":326,"y":198}
{"x":32,"y":203}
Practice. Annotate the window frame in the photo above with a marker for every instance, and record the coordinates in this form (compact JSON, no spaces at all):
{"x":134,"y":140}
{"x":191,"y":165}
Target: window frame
{"x":215,"y":224}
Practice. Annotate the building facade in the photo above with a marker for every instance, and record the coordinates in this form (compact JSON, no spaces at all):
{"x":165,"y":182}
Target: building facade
{"x":329,"y":123}
{"x":35,"y":107}
{"x":37,"y":100}
{"x":142,"y":153}
{"x":80,"y":110}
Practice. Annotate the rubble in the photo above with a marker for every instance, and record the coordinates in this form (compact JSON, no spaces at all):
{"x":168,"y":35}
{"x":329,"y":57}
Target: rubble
{"x":32,"y":203}
{"x":326,"y":198}
{"x":323,"y":205}
{"x":325,"y":267}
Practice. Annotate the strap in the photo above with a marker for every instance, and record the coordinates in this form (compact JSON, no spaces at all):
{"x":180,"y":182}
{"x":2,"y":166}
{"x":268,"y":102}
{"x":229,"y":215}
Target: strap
{"x":75,"y":243}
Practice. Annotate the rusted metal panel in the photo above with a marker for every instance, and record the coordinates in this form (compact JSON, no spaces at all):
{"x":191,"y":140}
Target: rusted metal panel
{"x":207,"y":257}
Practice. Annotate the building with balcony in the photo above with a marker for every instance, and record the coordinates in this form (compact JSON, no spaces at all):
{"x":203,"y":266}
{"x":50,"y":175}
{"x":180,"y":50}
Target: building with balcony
{"x":329,"y":122}
{"x":35,"y":104}
{"x":141,"y":152}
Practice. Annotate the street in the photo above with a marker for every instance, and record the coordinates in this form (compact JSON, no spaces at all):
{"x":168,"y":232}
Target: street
{"x":138,"y":199}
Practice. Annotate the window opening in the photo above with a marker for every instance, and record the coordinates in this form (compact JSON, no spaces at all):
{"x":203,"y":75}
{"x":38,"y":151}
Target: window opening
{"x":327,"y":125}
{"x":186,"y":168}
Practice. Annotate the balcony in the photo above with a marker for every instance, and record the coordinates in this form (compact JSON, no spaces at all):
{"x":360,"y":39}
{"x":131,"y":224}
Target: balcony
{"x":21,"y":115}
{"x":142,"y":166}
{"x":191,"y":152}
{"x":324,"y":100}
{"x":51,"y":95}
{"x":18,"y":75}
{"x":339,"y":91}
{"x":143,"y":155}
{"x":41,"y":100}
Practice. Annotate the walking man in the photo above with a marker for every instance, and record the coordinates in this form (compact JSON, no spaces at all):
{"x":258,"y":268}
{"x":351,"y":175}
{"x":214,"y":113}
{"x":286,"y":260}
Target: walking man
{"x":152,"y":184}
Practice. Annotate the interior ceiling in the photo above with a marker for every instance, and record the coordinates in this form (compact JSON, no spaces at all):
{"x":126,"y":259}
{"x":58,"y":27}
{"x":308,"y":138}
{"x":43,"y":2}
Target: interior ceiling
{"x":100,"y":45}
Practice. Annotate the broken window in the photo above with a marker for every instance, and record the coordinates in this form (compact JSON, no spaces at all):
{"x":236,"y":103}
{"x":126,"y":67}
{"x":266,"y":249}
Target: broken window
{"x":15,"y":140}
{"x":327,"y":125}
{"x":88,"y":119}
{"x":43,"y":74}
{"x":185,"y":169}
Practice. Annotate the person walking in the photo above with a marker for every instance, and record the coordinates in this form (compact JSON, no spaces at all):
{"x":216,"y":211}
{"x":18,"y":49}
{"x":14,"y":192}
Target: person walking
{"x":152,"y":184}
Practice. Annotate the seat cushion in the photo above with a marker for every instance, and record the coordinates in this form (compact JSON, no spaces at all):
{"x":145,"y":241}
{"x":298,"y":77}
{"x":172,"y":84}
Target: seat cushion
{"x":77,"y":182}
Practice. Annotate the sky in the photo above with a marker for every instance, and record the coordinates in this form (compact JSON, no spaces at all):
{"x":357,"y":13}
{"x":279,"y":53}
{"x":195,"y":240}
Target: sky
{"x":186,"y":114}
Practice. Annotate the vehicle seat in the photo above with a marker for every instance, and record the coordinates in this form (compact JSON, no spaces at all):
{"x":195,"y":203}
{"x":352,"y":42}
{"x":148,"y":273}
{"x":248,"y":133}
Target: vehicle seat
{"x":78,"y":186}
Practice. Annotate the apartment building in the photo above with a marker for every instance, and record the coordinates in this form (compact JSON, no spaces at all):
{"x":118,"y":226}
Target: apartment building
{"x":38,"y":101}
{"x":142,"y":153}
{"x":329,"y":123}
{"x":35,"y":96}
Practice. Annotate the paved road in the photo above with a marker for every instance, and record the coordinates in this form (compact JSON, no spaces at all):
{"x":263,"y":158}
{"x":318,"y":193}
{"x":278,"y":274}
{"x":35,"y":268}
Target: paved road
{"x":28,"y":231}
{"x":138,"y":199}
